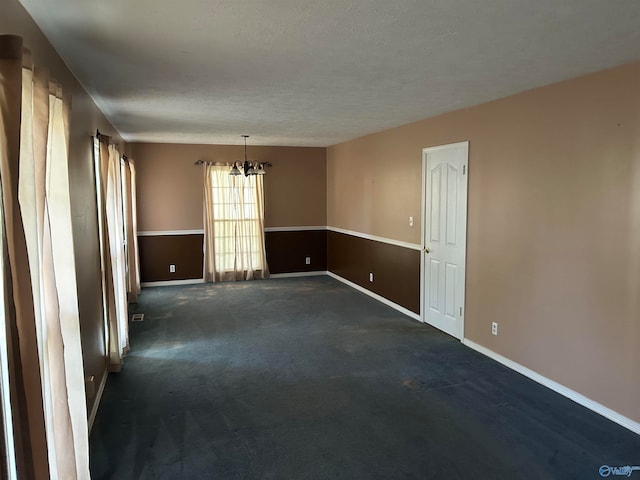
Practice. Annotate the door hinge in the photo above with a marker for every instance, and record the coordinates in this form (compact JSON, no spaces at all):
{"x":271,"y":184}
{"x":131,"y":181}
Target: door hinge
{"x":464,"y":169}
{"x":460,"y":311}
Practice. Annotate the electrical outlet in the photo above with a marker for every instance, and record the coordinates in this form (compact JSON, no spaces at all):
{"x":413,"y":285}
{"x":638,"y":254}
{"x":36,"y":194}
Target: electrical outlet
{"x":494,"y":328}
{"x":371,"y":277}
{"x":172,"y":268}
{"x":411,"y":221}
{"x":307,"y":260}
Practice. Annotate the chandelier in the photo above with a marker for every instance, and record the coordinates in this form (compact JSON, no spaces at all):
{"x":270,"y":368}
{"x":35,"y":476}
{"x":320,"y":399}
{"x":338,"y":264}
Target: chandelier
{"x":247,"y":167}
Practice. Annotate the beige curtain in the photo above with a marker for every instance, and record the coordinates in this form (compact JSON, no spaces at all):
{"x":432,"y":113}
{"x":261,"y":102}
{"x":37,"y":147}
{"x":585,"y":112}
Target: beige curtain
{"x":113,"y":254}
{"x":234,"y":226}
{"x":24,"y":427}
{"x":131,"y":230}
{"x":39,"y":254}
{"x":209,"y":257}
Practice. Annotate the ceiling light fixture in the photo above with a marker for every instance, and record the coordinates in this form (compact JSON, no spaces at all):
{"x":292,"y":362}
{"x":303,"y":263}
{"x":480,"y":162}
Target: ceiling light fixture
{"x":248,"y":168}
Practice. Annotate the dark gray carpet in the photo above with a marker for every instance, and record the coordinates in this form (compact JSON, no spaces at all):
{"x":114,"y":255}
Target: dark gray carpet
{"x":310,"y":379}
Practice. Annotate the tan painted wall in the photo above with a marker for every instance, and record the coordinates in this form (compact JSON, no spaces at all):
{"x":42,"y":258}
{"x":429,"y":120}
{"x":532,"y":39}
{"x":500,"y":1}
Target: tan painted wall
{"x":170,"y":185}
{"x":85,"y":119}
{"x":553,"y":228}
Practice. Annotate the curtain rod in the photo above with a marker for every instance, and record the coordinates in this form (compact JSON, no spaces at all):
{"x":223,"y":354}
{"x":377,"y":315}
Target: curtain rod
{"x":226,"y":164}
{"x":101,"y":136}
{"x":206,"y":162}
{"x":106,"y":139}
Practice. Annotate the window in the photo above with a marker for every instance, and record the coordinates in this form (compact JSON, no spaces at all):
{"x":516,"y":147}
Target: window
{"x":236,"y":224}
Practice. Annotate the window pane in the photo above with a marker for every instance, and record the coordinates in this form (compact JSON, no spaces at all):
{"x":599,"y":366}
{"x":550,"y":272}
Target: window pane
{"x":236,"y":226}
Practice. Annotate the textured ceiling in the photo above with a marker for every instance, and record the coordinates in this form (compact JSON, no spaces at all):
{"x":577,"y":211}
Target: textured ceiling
{"x":318,"y":72}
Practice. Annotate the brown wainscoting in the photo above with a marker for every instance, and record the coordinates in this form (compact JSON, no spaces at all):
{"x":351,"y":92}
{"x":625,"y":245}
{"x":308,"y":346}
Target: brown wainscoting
{"x":396,"y":270}
{"x":286,"y":251}
{"x":157,"y":252}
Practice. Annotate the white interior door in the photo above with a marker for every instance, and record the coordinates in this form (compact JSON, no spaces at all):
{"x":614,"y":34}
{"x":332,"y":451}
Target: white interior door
{"x":444,"y":236}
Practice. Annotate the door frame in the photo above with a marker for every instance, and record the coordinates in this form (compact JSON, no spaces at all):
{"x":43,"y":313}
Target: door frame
{"x":423,"y":211}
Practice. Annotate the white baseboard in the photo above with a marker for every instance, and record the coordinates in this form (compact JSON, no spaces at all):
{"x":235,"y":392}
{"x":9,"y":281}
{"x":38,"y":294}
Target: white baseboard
{"x":298,"y":274}
{"x":557,"y":387}
{"x":169,"y":283}
{"x":380,"y":298}
{"x":196,"y":281}
{"x":96,"y":403}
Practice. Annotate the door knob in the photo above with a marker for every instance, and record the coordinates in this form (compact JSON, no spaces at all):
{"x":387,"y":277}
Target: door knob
{"x":426,"y":250}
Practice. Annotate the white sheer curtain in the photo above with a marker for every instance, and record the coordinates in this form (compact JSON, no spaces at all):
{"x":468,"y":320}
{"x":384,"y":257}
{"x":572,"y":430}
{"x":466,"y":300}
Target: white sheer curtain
{"x":113,"y":252}
{"x":234,"y":246}
{"x":40,"y":315}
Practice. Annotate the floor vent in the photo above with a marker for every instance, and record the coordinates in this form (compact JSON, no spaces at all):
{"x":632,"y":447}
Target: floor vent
{"x":138,"y":317}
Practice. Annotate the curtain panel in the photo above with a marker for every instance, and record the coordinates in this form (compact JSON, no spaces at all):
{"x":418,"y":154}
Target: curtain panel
{"x":113,"y":253}
{"x":23,"y":412}
{"x":131,"y":230}
{"x":44,"y":410}
{"x":234,"y":246}
{"x":209,"y":258}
